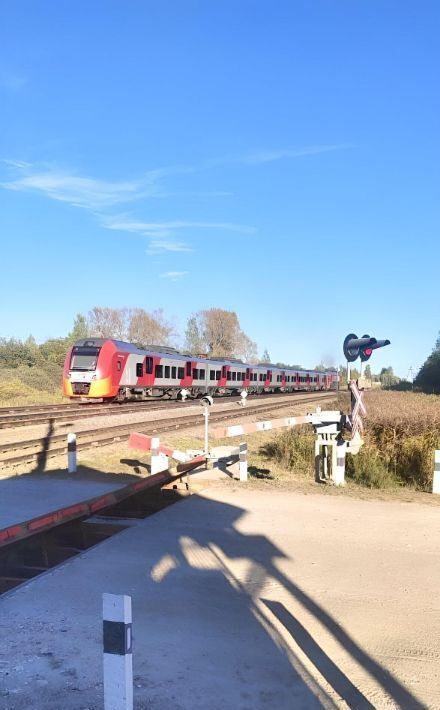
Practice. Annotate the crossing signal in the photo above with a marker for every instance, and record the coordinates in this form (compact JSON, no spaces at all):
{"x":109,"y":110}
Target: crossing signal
{"x":365,"y":353}
{"x":355,"y":347}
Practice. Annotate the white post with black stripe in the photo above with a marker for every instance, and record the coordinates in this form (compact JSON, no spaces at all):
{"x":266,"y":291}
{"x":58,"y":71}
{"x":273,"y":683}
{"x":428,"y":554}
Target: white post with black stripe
{"x":159,"y":462}
{"x":243,"y":461}
{"x":118,"y":663}
{"x":338,"y":472}
{"x":71,"y":452}
{"x":436,"y":473}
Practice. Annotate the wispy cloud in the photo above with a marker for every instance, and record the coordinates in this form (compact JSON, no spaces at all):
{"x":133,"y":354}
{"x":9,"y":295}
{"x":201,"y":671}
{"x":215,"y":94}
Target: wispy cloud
{"x":160,"y":245}
{"x":162,"y":235}
{"x":173,"y":275}
{"x":270,"y":156}
{"x":167,"y":229}
{"x":77,"y":190}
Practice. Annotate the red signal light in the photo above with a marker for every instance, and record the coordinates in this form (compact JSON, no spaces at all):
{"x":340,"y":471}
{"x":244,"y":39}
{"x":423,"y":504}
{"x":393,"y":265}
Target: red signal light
{"x":368,"y":351}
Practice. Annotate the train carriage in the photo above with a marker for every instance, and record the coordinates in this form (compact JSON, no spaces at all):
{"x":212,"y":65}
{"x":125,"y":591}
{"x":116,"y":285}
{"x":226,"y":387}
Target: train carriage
{"x":104,"y":369}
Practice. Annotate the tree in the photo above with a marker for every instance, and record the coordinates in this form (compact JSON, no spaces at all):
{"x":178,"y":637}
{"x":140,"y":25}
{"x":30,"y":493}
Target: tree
{"x":246,"y":348}
{"x":148,"y":328}
{"x":193,"y":338}
{"x":265,"y":357}
{"x":108,"y":322}
{"x":217,"y":332}
{"x":54,"y":350}
{"x":80,"y":329}
{"x":133,"y":324}
{"x":428,"y":378}
{"x":367,"y":373}
{"x":387,"y":377}
{"x":14,"y":353}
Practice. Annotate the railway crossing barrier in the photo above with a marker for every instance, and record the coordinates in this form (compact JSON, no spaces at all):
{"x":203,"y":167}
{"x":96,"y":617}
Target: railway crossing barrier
{"x":330,"y":446}
{"x":187,"y":460}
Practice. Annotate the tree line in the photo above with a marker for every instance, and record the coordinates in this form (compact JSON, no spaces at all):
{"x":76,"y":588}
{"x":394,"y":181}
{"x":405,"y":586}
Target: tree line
{"x":212,"y":332}
{"x":428,"y":378}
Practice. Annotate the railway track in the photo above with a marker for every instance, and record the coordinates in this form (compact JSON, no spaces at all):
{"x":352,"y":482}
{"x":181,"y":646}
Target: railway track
{"x":40,"y":448}
{"x":14,"y":417}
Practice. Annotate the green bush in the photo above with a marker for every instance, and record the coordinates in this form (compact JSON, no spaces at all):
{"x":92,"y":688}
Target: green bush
{"x":368,"y":468}
{"x":293,"y":449}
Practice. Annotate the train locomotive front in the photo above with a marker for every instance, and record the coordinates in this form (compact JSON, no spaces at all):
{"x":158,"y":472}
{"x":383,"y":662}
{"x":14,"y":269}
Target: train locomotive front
{"x":92,"y":370}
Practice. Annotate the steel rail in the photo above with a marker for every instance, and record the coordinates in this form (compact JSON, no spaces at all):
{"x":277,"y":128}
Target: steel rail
{"x":120,"y":432}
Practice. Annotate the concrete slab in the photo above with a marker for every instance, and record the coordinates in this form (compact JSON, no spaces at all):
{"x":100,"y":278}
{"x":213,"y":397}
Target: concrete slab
{"x":242,"y":599}
{"x":26,"y":497}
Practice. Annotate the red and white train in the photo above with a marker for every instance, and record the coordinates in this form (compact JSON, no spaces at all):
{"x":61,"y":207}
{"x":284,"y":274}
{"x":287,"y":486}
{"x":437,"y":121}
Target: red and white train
{"x":102,"y":369}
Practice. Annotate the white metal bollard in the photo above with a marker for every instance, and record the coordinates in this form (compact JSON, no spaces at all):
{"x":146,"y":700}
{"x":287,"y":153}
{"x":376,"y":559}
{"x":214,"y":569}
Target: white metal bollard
{"x":118,"y":659}
{"x":243,"y":461}
{"x":436,"y":474}
{"x":71,"y":452}
{"x":159,"y":462}
{"x":338,"y":473}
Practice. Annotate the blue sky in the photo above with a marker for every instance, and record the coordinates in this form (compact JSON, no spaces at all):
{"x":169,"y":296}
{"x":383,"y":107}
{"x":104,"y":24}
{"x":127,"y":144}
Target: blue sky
{"x":278,"y":159}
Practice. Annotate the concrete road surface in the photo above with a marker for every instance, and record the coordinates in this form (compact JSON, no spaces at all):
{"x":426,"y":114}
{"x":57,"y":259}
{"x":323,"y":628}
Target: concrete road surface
{"x":242,"y":599}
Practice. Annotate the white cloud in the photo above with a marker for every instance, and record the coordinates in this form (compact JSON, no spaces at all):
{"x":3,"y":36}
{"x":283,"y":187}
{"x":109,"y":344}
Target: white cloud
{"x":165,"y":229}
{"x":76,"y":190}
{"x":173,"y":275}
{"x":159,"y":245}
{"x":162,"y":234}
{"x":269,"y":156}
{"x":83,"y":191}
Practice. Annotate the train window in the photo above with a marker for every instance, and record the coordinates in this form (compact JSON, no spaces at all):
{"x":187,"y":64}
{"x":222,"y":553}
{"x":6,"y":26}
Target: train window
{"x":218,"y":374}
{"x":118,"y":366}
{"x":195,"y":374}
{"x":234,"y":376}
{"x":224,"y":371}
{"x":228,"y":375}
{"x":159,"y":371}
{"x":188,"y":369}
{"x":261,"y":377}
{"x":167,"y":372}
{"x":212,"y":374}
{"x":201,"y":374}
{"x":173,"y":373}
{"x":180,"y":373}
{"x":139,"y":369}
{"x":149,"y":365}
{"x":247,"y":373}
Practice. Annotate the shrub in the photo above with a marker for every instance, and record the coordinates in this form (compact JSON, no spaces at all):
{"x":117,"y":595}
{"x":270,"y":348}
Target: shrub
{"x":293,"y":449}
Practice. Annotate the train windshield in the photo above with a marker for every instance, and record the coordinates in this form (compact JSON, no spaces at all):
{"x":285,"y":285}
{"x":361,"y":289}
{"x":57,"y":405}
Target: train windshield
{"x":84,"y":358}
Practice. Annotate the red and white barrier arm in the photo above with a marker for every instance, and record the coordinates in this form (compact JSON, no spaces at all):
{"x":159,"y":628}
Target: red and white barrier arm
{"x":239,"y":429}
{"x":144,"y":443}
